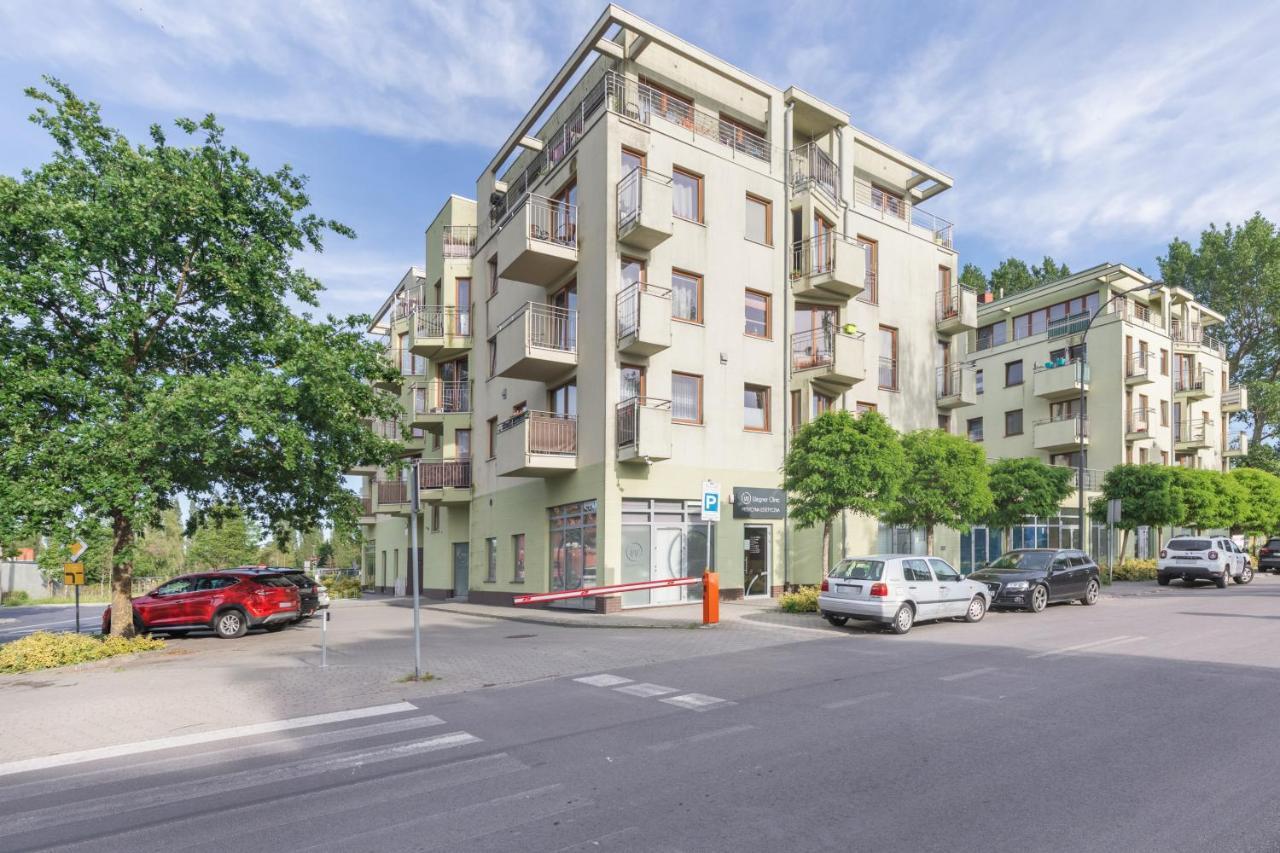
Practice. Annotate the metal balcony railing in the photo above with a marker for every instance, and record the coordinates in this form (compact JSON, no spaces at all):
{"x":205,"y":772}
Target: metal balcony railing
{"x":643,"y":103}
{"x":814,"y":348}
{"x":919,"y":221}
{"x":437,"y":321}
{"x":548,"y":433}
{"x":947,"y":301}
{"x":812,"y":167}
{"x":1078,"y":367}
{"x":949,"y":380}
{"x":1082,"y":422}
{"x":938,"y":229}
{"x":459,"y":241}
{"x":1091,"y":481}
{"x":888,"y":373}
{"x":631,"y":192}
{"x":444,"y":474}
{"x":442,"y":397}
{"x":629,"y":303}
{"x":628,"y":418}
{"x":1063,"y":326}
{"x":405,"y":307}
{"x":1194,"y":381}
{"x":393,"y":492}
{"x":817,"y":256}
{"x":552,"y":221}
{"x":1139,"y":363}
{"x":1140,"y":420}
{"x":1141,"y":314}
{"x":1194,"y":333}
{"x":1196,"y":430}
{"x":549,"y":326}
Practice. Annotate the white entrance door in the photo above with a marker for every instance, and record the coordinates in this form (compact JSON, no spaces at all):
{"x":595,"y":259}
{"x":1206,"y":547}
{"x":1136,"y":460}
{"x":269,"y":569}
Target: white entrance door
{"x":668,"y":563}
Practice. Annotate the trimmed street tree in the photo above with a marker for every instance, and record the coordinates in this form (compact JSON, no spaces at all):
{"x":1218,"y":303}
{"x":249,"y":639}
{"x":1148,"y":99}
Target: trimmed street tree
{"x":838,"y":462}
{"x":1201,"y":497}
{"x":945,"y":482}
{"x":1022,"y":487}
{"x":148,"y":348}
{"x":1260,"y":506}
{"x":1148,"y":497}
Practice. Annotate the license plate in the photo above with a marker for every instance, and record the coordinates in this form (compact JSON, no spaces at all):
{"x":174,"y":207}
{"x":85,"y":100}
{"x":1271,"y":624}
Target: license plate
{"x":286,"y":605}
{"x":852,"y":590}
{"x":1189,"y":558}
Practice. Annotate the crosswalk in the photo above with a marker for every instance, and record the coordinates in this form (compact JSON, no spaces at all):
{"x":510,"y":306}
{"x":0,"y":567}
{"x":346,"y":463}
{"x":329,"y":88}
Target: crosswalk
{"x":647,"y":690}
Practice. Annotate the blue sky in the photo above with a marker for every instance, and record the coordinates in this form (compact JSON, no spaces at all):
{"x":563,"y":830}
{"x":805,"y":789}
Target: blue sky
{"x":1089,"y":131}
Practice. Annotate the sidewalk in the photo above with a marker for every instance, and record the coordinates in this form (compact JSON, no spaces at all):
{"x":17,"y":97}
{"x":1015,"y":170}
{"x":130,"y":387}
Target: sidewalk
{"x":672,"y":616}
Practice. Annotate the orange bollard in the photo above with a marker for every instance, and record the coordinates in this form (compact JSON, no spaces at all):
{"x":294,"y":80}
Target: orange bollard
{"x":710,"y":598}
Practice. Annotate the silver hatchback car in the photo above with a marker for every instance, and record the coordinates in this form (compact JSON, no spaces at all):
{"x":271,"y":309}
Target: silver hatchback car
{"x":899,"y":590}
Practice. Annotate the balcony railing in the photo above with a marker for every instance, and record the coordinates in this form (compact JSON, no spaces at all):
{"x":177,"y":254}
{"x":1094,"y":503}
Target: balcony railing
{"x":553,"y":221}
{"x":405,"y":307}
{"x":1082,"y":422}
{"x":1237,"y":442}
{"x":393,"y":492}
{"x":459,"y":241}
{"x":947,"y":301}
{"x":817,"y":256}
{"x":919,"y":221}
{"x":550,"y":327}
{"x":1140,"y":421}
{"x":1195,"y":381}
{"x":1197,"y":430}
{"x":812,"y":167}
{"x":949,"y":380}
{"x":1234,"y":396}
{"x":642,"y":103}
{"x":888,"y":373}
{"x":442,"y":397}
{"x":445,"y":474}
{"x":388,"y":429}
{"x":366,"y":505}
{"x":1142,"y":314}
{"x":631,"y":194}
{"x":548,"y":433}
{"x":1139,"y":363}
{"x":628,"y":422}
{"x":629,"y":303}
{"x":1073,"y":325}
{"x":815,"y":348}
{"x":438,"y":321}
{"x":1091,"y":481}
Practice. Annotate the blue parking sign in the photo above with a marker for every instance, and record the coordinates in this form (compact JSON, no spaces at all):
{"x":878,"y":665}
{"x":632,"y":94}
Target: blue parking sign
{"x":710,"y":501}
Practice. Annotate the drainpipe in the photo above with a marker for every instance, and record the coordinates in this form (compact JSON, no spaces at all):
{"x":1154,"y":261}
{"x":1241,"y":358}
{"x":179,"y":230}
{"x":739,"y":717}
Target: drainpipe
{"x":844,"y":229}
{"x":788,"y":239}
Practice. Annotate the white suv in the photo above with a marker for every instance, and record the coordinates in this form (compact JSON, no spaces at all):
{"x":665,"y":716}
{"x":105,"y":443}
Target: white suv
{"x":1203,"y":558}
{"x":900,"y":590}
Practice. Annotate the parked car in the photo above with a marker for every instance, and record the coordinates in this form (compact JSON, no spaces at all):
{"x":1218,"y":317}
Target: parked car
{"x":314,"y":594}
{"x":1034,"y":578}
{"x":1269,"y":555}
{"x":229,"y":603}
{"x":1203,"y":558}
{"x":899,"y":590}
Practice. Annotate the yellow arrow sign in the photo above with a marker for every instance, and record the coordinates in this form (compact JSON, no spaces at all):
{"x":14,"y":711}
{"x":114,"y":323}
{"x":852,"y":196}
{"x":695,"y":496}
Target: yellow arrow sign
{"x":73,"y":574}
{"x":77,"y":548}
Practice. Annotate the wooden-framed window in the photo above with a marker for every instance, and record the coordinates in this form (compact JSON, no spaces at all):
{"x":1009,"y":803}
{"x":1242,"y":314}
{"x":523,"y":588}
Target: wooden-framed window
{"x":862,"y":406}
{"x":1164,"y":413}
{"x":871,"y":290}
{"x":758,"y":321}
{"x":493,"y":276}
{"x":631,"y":381}
{"x":686,"y":194}
{"x":888,"y":201}
{"x":462,"y":443}
{"x":755,"y":408}
{"x":491,"y":437}
{"x":633,"y":271}
{"x":1012,"y":373}
{"x":1013,"y":422}
{"x":759,"y":225}
{"x":493,"y":357}
{"x":686,"y":398}
{"x":686,"y":296}
{"x":517,"y":558}
{"x":797,"y":415}
{"x":889,"y":358}
{"x":974,"y":429}
{"x":1164,"y":362}
{"x":820,"y":403}
{"x":631,"y":160}
{"x":944,"y":422}
{"x":563,"y":399}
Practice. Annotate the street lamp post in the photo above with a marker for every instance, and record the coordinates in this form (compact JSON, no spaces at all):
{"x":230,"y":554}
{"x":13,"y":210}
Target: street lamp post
{"x":415,"y":570}
{"x":1081,"y":429}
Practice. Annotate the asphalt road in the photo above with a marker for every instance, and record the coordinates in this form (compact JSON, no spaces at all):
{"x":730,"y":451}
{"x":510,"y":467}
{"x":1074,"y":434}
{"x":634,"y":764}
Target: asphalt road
{"x":17,"y":622}
{"x":1140,"y":724}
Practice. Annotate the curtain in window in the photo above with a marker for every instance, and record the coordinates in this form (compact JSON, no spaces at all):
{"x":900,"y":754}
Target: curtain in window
{"x":684,"y":398}
{"x":684,"y":297}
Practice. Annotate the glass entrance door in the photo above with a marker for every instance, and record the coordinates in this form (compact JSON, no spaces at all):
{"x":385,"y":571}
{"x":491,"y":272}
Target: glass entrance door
{"x":755,"y":561}
{"x":668,"y":563}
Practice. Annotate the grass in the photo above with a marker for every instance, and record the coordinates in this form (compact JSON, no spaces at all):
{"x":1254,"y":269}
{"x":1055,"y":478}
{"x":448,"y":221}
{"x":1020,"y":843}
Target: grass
{"x":409,"y":678}
{"x":85,"y":598}
{"x":45,"y":650}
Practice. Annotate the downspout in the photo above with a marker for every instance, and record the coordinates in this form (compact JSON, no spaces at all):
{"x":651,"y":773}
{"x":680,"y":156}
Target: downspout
{"x":787,"y":240}
{"x":844,"y":230}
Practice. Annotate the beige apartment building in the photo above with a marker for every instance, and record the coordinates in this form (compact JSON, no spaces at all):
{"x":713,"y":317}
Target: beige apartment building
{"x":670,"y":267}
{"x":1156,"y":386}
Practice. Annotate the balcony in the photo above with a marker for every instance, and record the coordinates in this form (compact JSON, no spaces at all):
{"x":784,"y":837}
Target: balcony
{"x":442,"y":331}
{"x":540,"y":243}
{"x":956,"y":309}
{"x":537,"y":342}
{"x":644,"y":319}
{"x":1092,"y":479}
{"x":830,"y":358}
{"x":1190,"y":337}
{"x":893,"y":208}
{"x":1060,"y":434}
{"x":1197,"y":385}
{"x":438,"y":405}
{"x":394,"y":358}
{"x":644,"y":430}
{"x":1235,"y":398}
{"x":1237,"y":445}
{"x":445,"y":481}
{"x":1060,"y":380}
{"x":956,"y":386}
{"x":1193,"y":435}
{"x":1142,"y":315}
{"x":812,"y":168}
{"x":829,"y":265}
{"x":1138,"y":425}
{"x":537,"y":444}
{"x":1064,"y":326}
{"x":644,"y":209}
{"x":459,"y":241}
{"x":1140,"y":368}
{"x":393,"y":497}
{"x":366,"y":510}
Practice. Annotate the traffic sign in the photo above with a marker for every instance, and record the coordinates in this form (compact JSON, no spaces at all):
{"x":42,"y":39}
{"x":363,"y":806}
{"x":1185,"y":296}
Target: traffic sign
{"x":1113,"y":511}
{"x":77,"y":548}
{"x":710,"y":501}
{"x":73,"y":574}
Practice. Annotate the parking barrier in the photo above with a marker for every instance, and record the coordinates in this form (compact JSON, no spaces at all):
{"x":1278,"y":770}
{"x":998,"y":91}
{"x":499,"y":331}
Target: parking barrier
{"x":710,"y":593}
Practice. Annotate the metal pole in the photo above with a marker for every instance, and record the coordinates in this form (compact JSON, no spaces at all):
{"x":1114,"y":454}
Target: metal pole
{"x":77,"y":608}
{"x":414,"y":570}
{"x":324,"y":641}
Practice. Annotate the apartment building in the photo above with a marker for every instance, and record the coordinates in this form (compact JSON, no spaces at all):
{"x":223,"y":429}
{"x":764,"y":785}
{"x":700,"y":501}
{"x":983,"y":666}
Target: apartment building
{"x":1149,"y":383}
{"x":675,"y":266}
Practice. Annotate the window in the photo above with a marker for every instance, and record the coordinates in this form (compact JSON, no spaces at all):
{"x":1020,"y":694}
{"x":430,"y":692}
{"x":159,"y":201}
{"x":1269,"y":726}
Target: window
{"x":493,"y":357}
{"x":820,"y":403}
{"x":491,"y":558}
{"x":759,"y":220}
{"x":631,"y":160}
{"x":797,"y":417}
{"x":755,"y":408}
{"x":942,"y":570}
{"x":686,"y":296}
{"x":871,"y":251}
{"x":435,"y":518}
{"x":686,"y":195}
{"x":493,"y":432}
{"x":1013,"y":422}
{"x":631,"y":381}
{"x":1143,"y":456}
{"x":944,"y":423}
{"x":517,"y":558}
{"x":993,"y":335}
{"x":563,"y":400}
{"x":686,"y":398}
{"x":915,"y":570}
{"x":462,"y":443}
{"x":1164,"y":457}
{"x":758,"y":318}
{"x":1013,"y":373}
{"x":977,"y":381}
{"x":573,"y":545}
{"x":176,"y":587}
{"x":974,"y":428}
{"x":1164,"y":362}
{"x":675,"y":108}
{"x":493,"y":275}
{"x":1036,"y":322}
{"x":888,"y":358}
{"x":633,"y":271}
{"x":1164,"y":413}
{"x":862,"y":406}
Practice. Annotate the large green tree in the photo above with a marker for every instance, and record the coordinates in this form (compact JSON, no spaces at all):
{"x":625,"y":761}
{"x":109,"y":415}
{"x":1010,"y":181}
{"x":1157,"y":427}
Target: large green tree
{"x":1024,"y":486}
{"x":1149,"y":497}
{"x":225,"y":538}
{"x":1259,"y":511}
{"x":148,"y":347}
{"x":161,"y":550}
{"x":945,"y":482}
{"x":1236,"y":271}
{"x":837,"y":462}
{"x":1201,"y":498}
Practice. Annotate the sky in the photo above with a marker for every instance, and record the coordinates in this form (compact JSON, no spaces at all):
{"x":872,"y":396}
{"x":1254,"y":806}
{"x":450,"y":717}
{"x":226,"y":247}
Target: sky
{"x":1088,"y":131}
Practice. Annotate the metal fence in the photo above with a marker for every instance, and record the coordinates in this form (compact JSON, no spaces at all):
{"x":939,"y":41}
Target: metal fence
{"x":440,"y":396}
{"x":631,"y":192}
{"x":1064,"y":326}
{"x":459,"y":241}
{"x":437,"y":321}
{"x":552,"y":221}
{"x":629,"y":303}
{"x":948,"y":301}
{"x":628,"y":417}
{"x":546,"y":432}
{"x":949,"y":380}
{"x":812,"y":167}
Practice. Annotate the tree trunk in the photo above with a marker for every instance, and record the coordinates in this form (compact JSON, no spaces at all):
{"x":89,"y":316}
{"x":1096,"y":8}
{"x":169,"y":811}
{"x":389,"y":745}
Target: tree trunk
{"x":928,"y":539}
{"x":826,"y":548}
{"x":1124,"y":543}
{"x":121,"y":576}
{"x":1006,"y":537}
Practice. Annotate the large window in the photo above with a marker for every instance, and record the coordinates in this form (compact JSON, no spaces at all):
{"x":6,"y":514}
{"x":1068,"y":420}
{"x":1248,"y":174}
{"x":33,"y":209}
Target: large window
{"x":993,"y":335}
{"x":975,"y":429}
{"x":820,"y":403}
{"x":755,"y":408}
{"x":888,"y":358}
{"x":1013,"y":422}
{"x":1038,"y":321}
{"x":686,"y":296}
{"x":1013,"y":373}
{"x":686,"y":398}
{"x":573,"y":545}
{"x":759,"y":220}
{"x":758,"y":317}
{"x":686,"y":195}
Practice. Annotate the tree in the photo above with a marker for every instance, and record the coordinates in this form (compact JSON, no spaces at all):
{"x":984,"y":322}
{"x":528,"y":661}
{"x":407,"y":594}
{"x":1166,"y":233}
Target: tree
{"x":1148,"y":495}
{"x":147,"y":345}
{"x":1023,"y":486}
{"x":838,"y":462}
{"x":973,"y":278}
{"x":1014,"y":276}
{"x":1049,"y":270}
{"x":1236,"y":271}
{"x":161,"y":551}
{"x":222,"y":540}
{"x":1201,"y":498}
{"x":945,"y":482}
{"x":1263,"y":457}
{"x":347,"y":541}
{"x":1260,"y":507}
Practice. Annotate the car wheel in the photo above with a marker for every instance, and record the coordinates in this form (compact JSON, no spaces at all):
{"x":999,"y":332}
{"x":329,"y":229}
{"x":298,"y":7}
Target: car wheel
{"x":903,"y":619}
{"x":230,"y":624}
{"x":1223,"y":579}
{"x":1246,"y":575}
{"x":1039,"y":599}
{"x":977,"y":609}
{"x":1091,"y":592}
{"x":1162,"y":580}
{"x":838,"y":621}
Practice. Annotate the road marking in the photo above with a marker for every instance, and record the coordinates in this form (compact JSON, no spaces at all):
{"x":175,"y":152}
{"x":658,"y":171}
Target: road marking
{"x":695,"y":701}
{"x":970,"y":674}
{"x":1110,"y":641}
{"x":728,"y":730}
{"x":63,"y":759}
{"x":645,"y":689}
{"x":42,"y":625}
{"x":603,"y":680}
{"x":856,"y":700}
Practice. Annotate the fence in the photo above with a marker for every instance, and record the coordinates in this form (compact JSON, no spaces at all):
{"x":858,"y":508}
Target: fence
{"x":436,"y":321}
{"x":552,"y":221}
{"x":459,"y":241}
{"x":629,"y":303}
{"x":811,"y":167}
{"x":546,"y":432}
{"x":442,"y":397}
{"x":445,"y":474}
{"x":628,"y":417}
{"x":631,"y":193}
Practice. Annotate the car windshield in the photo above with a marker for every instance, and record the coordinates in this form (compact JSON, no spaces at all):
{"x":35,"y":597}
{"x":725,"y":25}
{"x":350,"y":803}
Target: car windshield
{"x":1188,"y":545}
{"x":858,"y":570}
{"x":1023,"y":560}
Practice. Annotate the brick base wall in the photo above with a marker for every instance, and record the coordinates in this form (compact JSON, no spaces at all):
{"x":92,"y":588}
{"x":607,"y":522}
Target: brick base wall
{"x":608,"y":603}
{"x":492,"y":597}
{"x":775,"y":591}
{"x":732,"y":594}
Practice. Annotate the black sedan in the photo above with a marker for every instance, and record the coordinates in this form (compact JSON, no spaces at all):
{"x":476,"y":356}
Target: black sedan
{"x":1032,"y":578}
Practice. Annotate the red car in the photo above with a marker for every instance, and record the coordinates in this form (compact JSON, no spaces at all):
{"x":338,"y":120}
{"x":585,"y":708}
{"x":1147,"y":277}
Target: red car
{"x":228,"y":603}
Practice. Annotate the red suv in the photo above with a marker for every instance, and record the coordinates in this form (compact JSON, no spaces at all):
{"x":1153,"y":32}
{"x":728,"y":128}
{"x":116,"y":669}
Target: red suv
{"x":229,"y":603}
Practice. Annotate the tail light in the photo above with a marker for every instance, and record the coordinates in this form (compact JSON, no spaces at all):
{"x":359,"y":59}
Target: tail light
{"x":879,"y":590}
{"x":826,"y":587}
{"x":1163,"y":554}
{"x":1265,"y":552}
{"x":1213,"y":555}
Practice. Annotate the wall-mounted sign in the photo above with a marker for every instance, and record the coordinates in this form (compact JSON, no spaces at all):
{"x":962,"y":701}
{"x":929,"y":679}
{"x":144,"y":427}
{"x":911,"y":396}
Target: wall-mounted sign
{"x":759,"y":503}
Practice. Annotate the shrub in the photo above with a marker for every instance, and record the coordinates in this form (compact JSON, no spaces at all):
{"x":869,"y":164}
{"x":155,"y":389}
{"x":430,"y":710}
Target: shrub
{"x":342,"y":586}
{"x":1134,"y":570}
{"x":14,"y":597}
{"x":43,"y":650}
{"x":803,"y":600}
